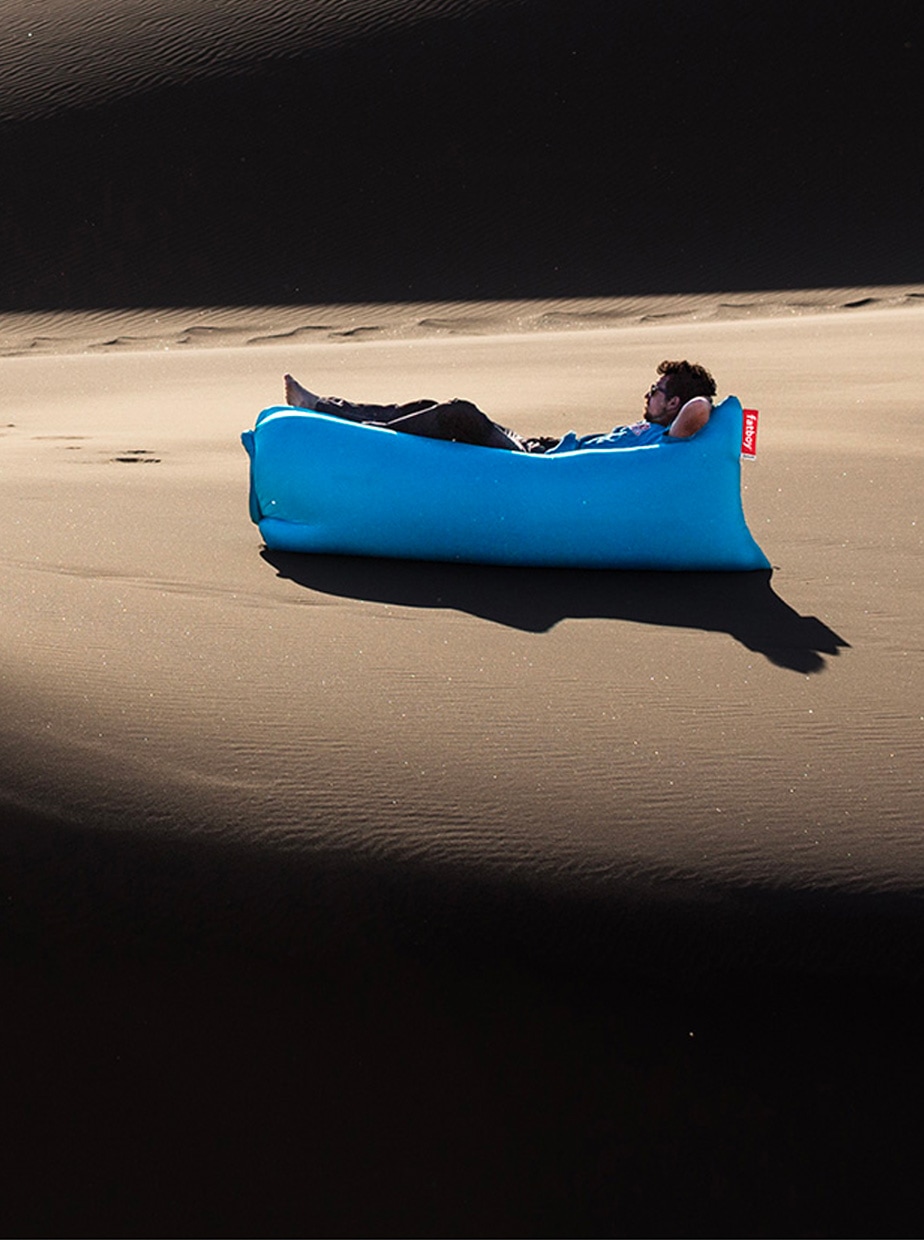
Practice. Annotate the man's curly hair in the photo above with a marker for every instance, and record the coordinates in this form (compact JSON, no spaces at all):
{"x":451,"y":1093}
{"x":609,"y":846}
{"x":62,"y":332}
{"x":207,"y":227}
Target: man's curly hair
{"x":686,"y":380}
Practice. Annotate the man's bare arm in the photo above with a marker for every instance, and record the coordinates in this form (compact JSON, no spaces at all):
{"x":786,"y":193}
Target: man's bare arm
{"x":692,"y":417}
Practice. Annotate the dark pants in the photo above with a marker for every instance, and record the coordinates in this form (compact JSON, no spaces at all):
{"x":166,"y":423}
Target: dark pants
{"x":457,"y":420}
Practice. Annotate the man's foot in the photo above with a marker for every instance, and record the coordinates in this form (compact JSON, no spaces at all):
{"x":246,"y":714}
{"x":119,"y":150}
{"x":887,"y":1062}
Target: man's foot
{"x":297,"y":396}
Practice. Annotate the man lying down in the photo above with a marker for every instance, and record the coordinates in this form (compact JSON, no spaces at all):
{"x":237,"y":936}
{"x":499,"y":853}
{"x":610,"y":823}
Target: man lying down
{"x":677,"y":405}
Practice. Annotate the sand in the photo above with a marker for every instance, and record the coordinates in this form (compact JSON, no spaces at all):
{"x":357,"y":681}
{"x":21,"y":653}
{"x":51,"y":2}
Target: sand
{"x":492,"y":860}
{"x":351,"y":897}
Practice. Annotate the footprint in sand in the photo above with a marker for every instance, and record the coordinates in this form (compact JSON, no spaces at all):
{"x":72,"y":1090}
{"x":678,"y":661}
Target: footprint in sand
{"x":137,"y":456}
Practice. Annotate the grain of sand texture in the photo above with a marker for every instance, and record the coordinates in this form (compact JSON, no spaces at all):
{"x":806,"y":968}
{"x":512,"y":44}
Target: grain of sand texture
{"x":363,"y":897}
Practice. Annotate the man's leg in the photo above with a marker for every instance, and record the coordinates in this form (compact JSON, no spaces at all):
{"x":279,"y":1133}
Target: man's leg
{"x":458,"y":420}
{"x":300,"y":398}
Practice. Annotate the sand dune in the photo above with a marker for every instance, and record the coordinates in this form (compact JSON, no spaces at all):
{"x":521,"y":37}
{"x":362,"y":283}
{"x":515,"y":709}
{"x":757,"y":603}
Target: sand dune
{"x":64,"y":55}
{"x":533,"y":824}
{"x":188,"y":154}
{"x":342,"y":897}
{"x":127,"y":481}
{"x":56,"y":332}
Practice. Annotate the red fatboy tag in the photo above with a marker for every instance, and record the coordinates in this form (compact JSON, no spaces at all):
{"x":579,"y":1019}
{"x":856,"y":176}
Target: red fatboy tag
{"x":749,"y":433}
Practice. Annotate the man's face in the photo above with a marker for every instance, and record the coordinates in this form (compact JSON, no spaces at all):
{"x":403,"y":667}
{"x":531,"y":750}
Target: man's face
{"x":659,"y":407}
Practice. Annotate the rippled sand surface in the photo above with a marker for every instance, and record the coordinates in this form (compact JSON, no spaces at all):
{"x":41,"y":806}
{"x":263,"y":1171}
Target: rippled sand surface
{"x":394,"y":817}
{"x":363,"y":898}
{"x":108,"y":331}
{"x":713,"y":730}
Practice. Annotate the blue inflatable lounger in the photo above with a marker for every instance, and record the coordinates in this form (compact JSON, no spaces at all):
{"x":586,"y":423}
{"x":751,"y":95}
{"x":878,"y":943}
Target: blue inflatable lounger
{"x":322,"y":484}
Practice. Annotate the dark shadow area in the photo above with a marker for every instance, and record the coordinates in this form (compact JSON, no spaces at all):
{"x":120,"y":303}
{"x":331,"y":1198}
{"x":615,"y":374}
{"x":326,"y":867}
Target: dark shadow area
{"x":213,"y":1039}
{"x":744,"y":605}
{"x":529,"y":150}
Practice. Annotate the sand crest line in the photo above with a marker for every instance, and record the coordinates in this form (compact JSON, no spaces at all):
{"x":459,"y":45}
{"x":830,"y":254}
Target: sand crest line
{"x":37,"y":333}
